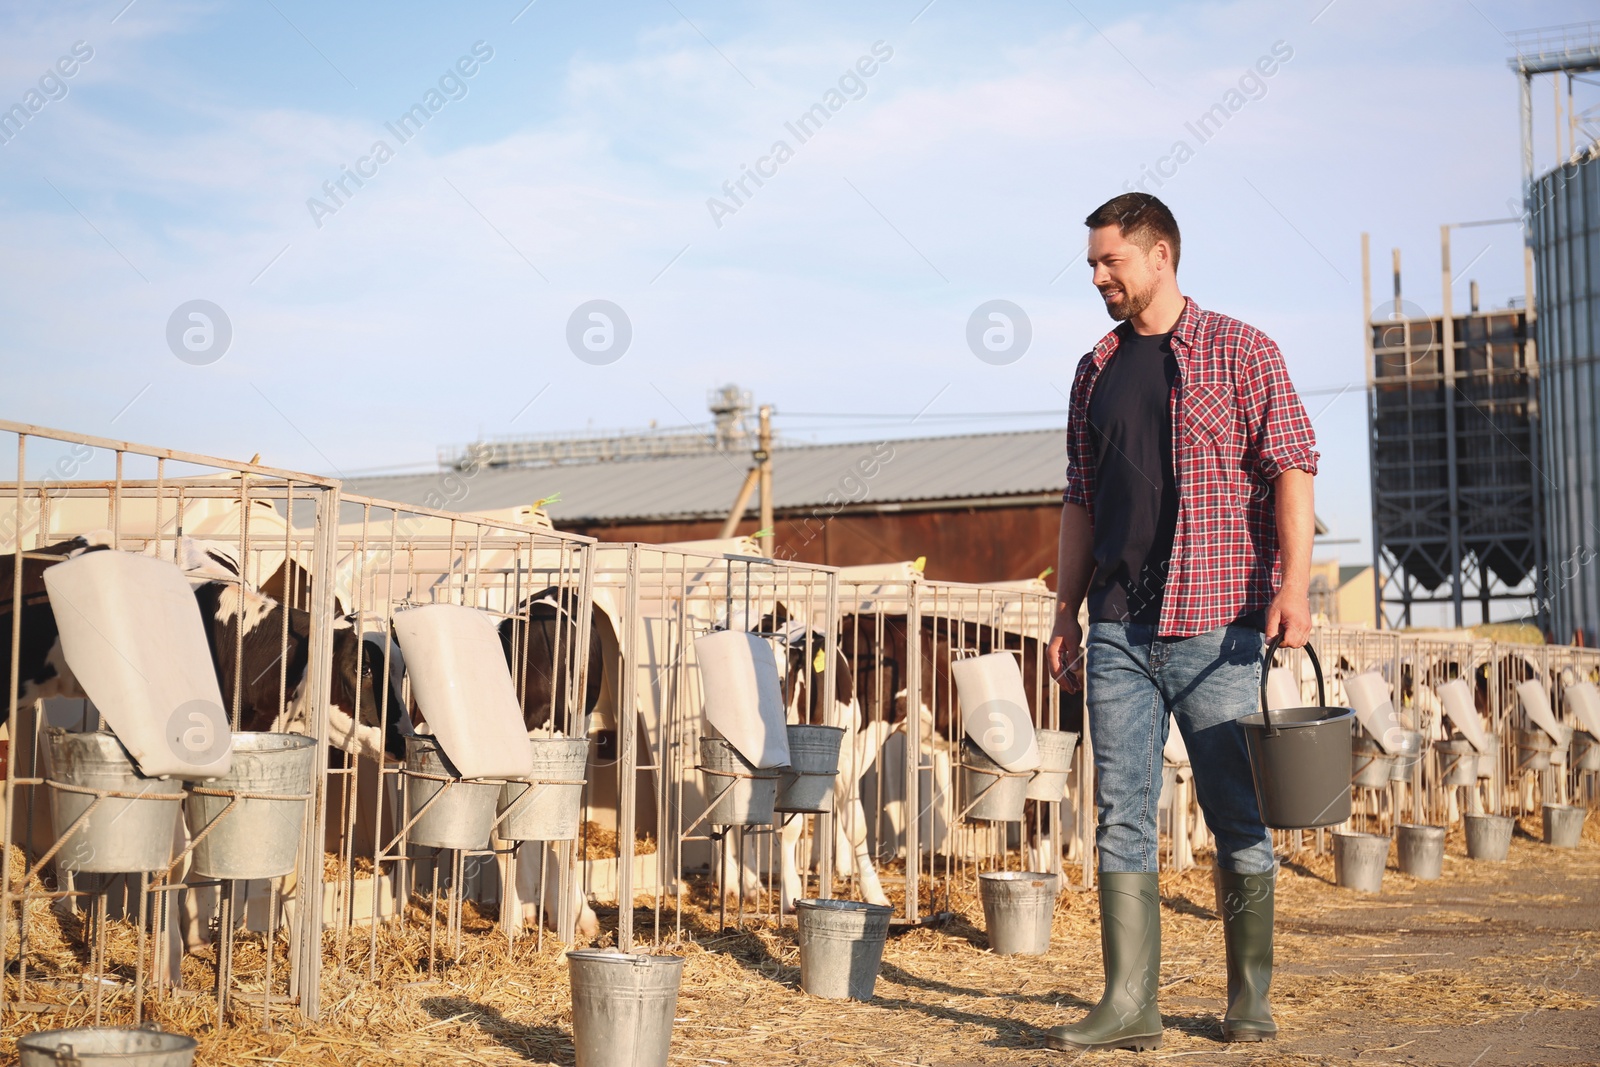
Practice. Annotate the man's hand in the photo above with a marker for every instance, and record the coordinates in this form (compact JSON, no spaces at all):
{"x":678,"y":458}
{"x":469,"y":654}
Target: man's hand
{"x":1289,"y":614}
{"x":1064,"y":655}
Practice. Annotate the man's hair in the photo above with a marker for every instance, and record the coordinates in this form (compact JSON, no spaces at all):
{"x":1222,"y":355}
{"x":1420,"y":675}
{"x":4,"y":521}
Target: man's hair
{"x":1141,"y":218}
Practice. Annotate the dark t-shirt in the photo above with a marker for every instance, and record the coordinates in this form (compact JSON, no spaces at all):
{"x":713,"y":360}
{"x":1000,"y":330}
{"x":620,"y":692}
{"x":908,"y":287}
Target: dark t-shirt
{"x":1136,"y":492}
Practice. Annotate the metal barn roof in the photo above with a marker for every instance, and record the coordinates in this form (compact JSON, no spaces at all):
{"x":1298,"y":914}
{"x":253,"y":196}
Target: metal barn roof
{"x":970,"y":466}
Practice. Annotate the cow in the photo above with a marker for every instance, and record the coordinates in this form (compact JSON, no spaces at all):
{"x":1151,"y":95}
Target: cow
{"x":42,"y":669}
{"x":876,"y":645}
{"x":250,"y":664}
{"x":803,"y":665}
{"x":539,"y":653}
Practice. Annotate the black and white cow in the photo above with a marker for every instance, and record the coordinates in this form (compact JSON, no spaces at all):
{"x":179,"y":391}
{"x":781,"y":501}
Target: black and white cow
{"x":803,"y":662}
{"x":877,"y":648}
{"x":538,"y":645}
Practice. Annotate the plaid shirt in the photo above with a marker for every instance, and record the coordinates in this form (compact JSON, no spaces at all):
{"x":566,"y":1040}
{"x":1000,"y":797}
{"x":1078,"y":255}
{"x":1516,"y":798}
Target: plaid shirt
{"x":1237,"y":424}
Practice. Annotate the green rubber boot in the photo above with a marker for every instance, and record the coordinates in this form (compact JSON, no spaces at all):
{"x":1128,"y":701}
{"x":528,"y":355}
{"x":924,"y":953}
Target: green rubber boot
{"x":1245,"y":903}
{"x":1130,"y":945}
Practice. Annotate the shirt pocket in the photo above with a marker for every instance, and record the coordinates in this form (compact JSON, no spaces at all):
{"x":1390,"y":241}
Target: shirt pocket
{"x":1211,"y":447}
{"x":1208,"y":414}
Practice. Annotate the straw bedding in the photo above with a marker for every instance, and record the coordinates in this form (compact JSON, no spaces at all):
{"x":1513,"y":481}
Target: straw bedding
{"x":941,"y":998}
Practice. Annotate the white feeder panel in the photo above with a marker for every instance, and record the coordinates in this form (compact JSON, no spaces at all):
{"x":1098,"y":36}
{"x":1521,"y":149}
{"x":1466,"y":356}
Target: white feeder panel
{"x":1584,"y":699}
{"x":1536,"y":705}
{"x":1456,"y":698}
{"x":463,"y":686}
{"x":994,"y":709}
{"x":743,"y":695}
{"x":1370,"y":696}
{"x":132,"y":634}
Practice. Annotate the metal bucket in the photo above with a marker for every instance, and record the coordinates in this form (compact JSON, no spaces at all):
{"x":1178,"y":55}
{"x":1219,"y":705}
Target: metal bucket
{"x":813,"y":766}
{"x":622,"y":1007}
{"x":1018,"y":907}
{"x":1049,"y":782}
{"x":548,"y":811}
{"x":1563,"y":825}
{"x":1458,"y":762}
{"x":463,"y":817}
{"x":101,"y":1046}
{"x":121,"y":835}
{"x":750,"y":790}
{"x":1534,"y":750}
{"x":1585,"y":751}
{"x":1370,"y":766}
{"x":1421,"y":850}
{"x":1359,"y":859}
{"x":1488,"y":836}
{"x":1407,"y":754}
{"x":1300,"y":758}
{"x":841,"y":947}
{"x":258,"y":838}
{"x":1006,"y":792}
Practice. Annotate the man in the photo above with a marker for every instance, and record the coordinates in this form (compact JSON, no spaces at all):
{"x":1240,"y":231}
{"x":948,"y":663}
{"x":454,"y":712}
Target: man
{"x":1187,"y":522}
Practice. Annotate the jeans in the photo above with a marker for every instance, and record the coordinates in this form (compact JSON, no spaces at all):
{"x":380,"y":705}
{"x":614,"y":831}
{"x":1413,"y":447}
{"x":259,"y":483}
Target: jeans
{"x":1206,"y":682}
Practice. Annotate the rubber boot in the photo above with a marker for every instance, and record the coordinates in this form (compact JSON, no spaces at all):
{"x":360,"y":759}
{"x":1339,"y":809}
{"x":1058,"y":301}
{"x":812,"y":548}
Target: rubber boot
{"x":1245,"y":902}
{"x":1130,"y":946}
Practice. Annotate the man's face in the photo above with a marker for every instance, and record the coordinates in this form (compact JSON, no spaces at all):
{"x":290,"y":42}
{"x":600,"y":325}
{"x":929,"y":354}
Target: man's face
{"x":1124,"y":273}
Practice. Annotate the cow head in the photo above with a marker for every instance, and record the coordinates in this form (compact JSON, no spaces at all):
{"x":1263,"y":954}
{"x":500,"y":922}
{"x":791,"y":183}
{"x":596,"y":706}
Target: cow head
{"x":364,"y":673}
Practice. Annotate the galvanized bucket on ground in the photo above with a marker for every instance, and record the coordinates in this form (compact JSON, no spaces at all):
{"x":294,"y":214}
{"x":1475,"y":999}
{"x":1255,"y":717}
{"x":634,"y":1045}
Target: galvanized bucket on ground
{"x":807,"y":785}
{"x":1534,"y":750}
{"x":1049,"y":782}
{"x":1585,"y":751}
{"x":741,"y":794}
{"x":1003,"y":794}
{"x":257,"y":838}
{"x":1300,"y":758}
{"x":1359,"y":859}
{"x":1458,"y":762}
{"x":1563,"y":825}
{"x":121,"y":834}
{"x":105,"y":1047}
{"x":622,"y":1007}
{"x":1370,"y":766}
{"x":1018,"y":907}
{"x":1421,"y":850}
{"x":841,"y":947}
{"x":1407,"y":754}
{"x":463,"y":817}
{"x":545,"y":810}
{"x":1488,"y":836}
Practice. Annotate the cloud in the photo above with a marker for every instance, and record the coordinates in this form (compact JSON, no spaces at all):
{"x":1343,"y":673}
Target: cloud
{"x":413,"y":317}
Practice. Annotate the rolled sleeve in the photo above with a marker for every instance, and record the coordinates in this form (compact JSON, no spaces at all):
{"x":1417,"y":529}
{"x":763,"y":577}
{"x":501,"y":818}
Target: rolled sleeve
{"x":1280,"y":429}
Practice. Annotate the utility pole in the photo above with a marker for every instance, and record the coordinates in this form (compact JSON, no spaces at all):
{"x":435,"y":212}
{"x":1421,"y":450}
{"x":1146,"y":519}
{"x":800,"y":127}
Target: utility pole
{"x":1448,"y":330}
{"x":764,"y":463}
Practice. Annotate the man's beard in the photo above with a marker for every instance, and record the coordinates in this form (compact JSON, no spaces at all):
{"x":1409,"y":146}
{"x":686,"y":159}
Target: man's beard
{"x":1131,"y":304}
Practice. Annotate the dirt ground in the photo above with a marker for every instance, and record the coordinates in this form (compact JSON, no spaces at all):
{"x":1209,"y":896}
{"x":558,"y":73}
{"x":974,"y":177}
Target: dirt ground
{"x":1493,"y":964}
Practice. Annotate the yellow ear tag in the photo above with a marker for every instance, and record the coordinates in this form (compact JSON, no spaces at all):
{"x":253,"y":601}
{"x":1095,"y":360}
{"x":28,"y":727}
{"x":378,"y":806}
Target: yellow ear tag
{"x":820,"y":663}
{"x":920,"y":565}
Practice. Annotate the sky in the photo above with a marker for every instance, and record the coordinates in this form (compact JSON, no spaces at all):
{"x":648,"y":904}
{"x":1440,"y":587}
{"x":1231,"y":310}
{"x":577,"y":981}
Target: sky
{"x":376,"y":286}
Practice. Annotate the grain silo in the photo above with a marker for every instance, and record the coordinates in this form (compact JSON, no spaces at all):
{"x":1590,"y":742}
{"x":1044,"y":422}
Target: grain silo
{"x":1563,"y":220}
{"x":1566,"y":237}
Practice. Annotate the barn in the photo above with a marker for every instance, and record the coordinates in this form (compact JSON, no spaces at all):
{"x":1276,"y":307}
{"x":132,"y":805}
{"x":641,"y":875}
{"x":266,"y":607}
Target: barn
{"x":979,"y":507}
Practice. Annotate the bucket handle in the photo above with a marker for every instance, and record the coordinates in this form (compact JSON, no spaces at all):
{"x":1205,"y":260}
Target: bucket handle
{"x":1272,"y":650}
